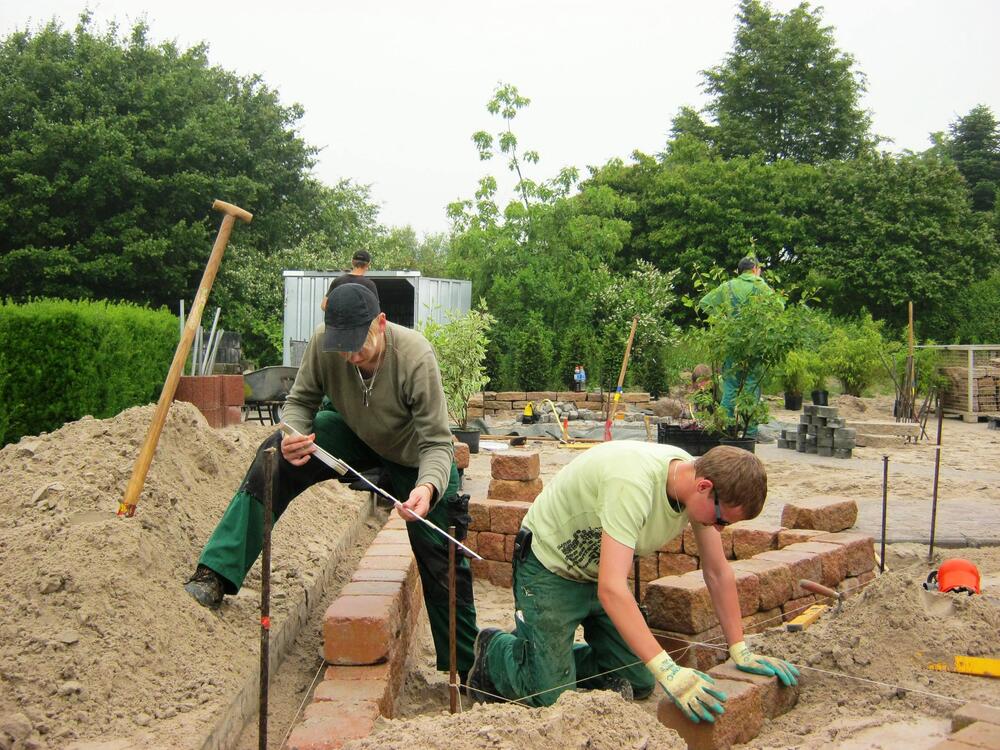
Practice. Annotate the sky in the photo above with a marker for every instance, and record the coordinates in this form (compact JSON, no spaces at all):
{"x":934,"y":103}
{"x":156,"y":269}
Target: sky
{"x":394,"y":89}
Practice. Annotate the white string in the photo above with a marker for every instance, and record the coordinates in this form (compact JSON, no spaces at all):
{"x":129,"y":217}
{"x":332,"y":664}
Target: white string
{"x":308,"y":695}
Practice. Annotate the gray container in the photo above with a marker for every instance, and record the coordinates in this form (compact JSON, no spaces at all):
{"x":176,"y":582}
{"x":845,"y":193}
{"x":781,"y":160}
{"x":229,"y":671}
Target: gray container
{"x":407,"y":298}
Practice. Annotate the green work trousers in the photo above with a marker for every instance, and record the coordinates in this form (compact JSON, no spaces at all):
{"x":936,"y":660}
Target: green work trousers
{"x":236,"y":542}
{"x":731,"y":386}
{"x":539,"y":661}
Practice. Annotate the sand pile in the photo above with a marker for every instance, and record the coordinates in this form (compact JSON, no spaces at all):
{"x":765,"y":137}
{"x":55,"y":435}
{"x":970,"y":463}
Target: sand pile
{"x":97,"y":637}
{"x":595,"y":720}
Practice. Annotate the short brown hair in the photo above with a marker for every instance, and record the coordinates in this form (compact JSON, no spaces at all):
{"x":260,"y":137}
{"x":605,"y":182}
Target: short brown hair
{"x":738,"y":476}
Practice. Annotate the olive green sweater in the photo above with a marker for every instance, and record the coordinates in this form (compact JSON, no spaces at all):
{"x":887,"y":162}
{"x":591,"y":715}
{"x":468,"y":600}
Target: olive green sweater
{"x":406,"y":420}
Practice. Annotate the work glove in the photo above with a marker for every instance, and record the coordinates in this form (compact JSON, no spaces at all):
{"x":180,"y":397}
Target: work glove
{"x":690,"y":690}
{"x":769,"y":666}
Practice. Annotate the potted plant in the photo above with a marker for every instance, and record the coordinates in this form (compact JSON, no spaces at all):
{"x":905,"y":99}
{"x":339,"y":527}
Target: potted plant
{"x":794,"y":375}
{"x":460,"y":347}
{"x":819,"y":373}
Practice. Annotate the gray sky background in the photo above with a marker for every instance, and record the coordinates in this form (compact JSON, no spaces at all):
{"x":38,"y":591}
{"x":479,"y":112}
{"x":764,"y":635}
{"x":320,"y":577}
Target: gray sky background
{"x":393,"y":90}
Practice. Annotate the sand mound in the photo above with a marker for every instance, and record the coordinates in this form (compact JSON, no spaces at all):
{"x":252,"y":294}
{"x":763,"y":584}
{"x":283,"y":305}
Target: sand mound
{"x":595,"y":720}
{"x":97,"y":637}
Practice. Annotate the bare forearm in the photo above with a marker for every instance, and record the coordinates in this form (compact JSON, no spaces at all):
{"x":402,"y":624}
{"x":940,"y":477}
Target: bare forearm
{"x":621,"y":607}
{"x":722,"y":588}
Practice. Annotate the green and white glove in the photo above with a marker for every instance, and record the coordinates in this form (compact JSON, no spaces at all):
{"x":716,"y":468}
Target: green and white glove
{"x":769,"y":666}
{"x":690,"y":690}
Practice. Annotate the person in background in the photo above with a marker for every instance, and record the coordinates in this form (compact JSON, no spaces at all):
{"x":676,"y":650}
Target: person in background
{"x":360,"y":262}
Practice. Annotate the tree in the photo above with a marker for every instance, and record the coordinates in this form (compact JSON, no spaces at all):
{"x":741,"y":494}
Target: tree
{"x":974,"y":145}
{"x":112,"y":149}
{"x":785,"y":91}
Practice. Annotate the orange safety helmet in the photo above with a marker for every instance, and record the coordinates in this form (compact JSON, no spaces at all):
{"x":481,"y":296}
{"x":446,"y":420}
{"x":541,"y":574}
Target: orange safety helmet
{"x":956,"y":574}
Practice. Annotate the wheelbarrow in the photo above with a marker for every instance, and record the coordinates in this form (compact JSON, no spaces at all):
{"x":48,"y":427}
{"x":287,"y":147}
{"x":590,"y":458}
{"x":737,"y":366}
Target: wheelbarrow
{"x":265,"y":391}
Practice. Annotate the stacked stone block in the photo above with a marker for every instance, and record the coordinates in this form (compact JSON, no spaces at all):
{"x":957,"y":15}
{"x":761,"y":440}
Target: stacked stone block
{"x":515,"y":476}
{"x":219,"y":398}
{"x":820,"y":431}
{"x":366,"y":635}
{"x":507,"y":404}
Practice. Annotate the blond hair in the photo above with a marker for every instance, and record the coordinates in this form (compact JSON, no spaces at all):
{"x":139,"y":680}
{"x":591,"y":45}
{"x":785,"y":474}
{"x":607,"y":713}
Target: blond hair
{"x":738,"y":476}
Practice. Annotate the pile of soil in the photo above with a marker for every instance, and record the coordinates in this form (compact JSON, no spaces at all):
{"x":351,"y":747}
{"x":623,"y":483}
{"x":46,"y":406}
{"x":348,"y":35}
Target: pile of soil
{"x":97,"y":637}
{"x":595,"y":720}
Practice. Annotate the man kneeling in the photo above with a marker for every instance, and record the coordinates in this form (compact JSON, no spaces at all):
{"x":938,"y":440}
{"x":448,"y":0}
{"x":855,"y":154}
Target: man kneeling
{"x":572,"y":558}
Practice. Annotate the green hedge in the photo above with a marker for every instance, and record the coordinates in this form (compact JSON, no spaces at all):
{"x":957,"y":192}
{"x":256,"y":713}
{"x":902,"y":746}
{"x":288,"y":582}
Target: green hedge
{"x":63,"y":360}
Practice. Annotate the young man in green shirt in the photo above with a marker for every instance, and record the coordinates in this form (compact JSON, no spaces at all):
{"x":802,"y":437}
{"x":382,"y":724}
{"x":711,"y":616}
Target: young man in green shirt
{"x":571,"y":564}
{"x":389,"y":412}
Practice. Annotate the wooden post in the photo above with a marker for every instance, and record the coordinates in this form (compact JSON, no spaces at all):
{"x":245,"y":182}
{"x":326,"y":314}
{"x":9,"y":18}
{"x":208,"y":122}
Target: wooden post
{"x":127,"y":506}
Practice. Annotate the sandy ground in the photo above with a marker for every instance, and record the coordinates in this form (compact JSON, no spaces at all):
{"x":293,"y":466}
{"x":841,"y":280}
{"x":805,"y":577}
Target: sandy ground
{"x":100,"y":648}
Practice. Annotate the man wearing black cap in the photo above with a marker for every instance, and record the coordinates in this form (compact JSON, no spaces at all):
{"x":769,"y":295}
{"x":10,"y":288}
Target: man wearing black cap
{"x":359,"y":266}
{"x":385,"y":386}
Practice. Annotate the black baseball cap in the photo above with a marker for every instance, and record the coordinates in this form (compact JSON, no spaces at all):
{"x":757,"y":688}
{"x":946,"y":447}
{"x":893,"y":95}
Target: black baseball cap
{"x":350,"y":310}
{"x":362,"y":256}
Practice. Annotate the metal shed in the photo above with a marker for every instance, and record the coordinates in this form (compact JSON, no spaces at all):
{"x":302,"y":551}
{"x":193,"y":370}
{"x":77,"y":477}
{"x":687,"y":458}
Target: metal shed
{"x":406,"y":297}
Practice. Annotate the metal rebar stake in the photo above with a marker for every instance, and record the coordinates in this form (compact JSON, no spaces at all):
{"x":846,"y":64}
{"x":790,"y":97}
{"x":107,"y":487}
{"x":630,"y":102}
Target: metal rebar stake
{"x":885,"y":503}
{"x":937,"y":470}
{"x":265,"y":596}
{"x":636,"y":588}
{"x":452,"y":650}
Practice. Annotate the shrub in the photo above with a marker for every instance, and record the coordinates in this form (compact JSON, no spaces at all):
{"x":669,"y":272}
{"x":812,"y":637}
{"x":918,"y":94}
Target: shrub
{"x":63,"y":360}
{"x":853,"y":354}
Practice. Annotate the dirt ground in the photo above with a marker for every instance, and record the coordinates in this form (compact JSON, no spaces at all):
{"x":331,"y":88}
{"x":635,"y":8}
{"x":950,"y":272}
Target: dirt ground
{"x":101,"y":649}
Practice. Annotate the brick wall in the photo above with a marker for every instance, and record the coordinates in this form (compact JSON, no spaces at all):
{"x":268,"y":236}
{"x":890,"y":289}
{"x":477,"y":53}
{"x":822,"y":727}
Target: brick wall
{"x":511,"y":403}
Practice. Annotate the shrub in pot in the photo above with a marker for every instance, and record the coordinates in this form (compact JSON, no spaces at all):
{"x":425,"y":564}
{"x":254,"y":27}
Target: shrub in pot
{"x":795,"y":377}
{"x":460,"y":347}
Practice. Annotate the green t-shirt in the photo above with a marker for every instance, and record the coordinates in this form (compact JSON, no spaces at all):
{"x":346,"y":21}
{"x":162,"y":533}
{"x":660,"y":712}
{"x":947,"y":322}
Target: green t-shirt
{"x":619,"y":487}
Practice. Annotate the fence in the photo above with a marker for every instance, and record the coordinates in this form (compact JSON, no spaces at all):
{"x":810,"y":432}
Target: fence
{"x":972,"y":372}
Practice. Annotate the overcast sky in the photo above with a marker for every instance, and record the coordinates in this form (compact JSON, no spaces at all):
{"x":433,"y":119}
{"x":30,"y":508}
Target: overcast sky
{"x":393,"y":90}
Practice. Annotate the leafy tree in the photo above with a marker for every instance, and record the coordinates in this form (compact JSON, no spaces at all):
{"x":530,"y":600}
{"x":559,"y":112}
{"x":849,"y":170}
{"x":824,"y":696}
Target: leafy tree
{"x":974,"y":144}
{"x":112,"y":149}
{"x":785,"y":91}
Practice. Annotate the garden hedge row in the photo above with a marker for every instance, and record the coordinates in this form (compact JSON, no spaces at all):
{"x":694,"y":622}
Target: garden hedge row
{"x":63,"y":360}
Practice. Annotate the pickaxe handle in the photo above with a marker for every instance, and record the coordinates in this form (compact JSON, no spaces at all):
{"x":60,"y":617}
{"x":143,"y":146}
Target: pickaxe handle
{"x":145,"y":458}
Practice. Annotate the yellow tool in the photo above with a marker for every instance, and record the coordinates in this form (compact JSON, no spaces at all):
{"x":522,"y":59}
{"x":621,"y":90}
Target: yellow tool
{"x":562,"y":427}
{"x":806,"y":619}
{"x":976,"y":665}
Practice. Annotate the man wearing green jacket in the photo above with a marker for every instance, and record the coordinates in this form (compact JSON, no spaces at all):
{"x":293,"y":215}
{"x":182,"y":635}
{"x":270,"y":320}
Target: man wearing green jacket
{"x":733,"y":294}
{"x":389,"y":411}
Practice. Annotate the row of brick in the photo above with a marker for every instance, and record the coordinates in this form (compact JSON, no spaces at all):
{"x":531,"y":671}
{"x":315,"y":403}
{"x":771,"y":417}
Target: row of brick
{"x":974,"y":725}
{"x":515,"y":476}
{"x":503,"y":403}
{"x":219,"y":398}
{"x":366,"y":635}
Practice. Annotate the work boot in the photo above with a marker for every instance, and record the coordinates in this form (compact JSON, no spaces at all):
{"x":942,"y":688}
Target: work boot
{"x":620,"y":685}
{"x":481,"y":688}
{"x":206,"y":587}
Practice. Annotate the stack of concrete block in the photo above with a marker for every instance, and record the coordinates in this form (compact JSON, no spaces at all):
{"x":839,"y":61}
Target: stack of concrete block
{"x":515,"y":476}
{"x":366,"y":636}
{"x":219,"y":398}
{"x":820,"y":431}
{"x":885,"y":434}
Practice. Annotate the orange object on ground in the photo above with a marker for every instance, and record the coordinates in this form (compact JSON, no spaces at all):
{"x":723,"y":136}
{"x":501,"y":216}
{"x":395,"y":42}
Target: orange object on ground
{"x":956,"y":574}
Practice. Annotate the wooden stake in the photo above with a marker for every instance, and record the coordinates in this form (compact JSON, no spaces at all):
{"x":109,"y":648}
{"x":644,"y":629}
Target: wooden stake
{"x":621,"y":379}
{"x":127,"y":506}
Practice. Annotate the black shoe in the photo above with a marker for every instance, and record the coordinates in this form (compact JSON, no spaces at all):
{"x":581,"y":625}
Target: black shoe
{"x":206,"y":587}
{"x":481,"y":688}
{"x":621,"y":686}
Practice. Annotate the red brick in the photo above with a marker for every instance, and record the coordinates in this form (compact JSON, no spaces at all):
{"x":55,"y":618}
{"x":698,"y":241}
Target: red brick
{"x":392,"y":550}
{"x":510,"y":489}
{"x":491,"y":545}
{"x":823,"y":512}
{"x":860,"y":550}
{"x":392,"y":536}
{"x":866,"y":578}
{"x":973,"y":712}
{"x":776,"y":699}
{"x":648,"y":566}
{"x":698,"y":651}
{"x":979,"y":734}
{"x":510,"y":396}
{"x":748,"y":590}
{"x":680,"y":603}
{"x":329,"y":733}
{"x":385,"y":562}
{"x":833,"y":560}
{"x":760,"y":621}
{"x":674,"y":546}
{"x":395,"y":523}
{"x":371,"y":588}
{"x":378,"y":574}
{"x":795,"y":607}
{"x":360,"y":629}
{"x":727,"y":542}
{"x":470,"y":540}
{"x":479,"y":510}
{"x":794,"y":536}
{"x":501,"y":574}
{"x":800,"y":564}
{"x":506,"y":518}
{"x":849,"y":586}
{"x":690,"y":544}
{"x":232,"y":415}
{"x":741,"y":722}
{"x":775,"y":580}
{"x":462,"y":456}
{"x":508,"y":546}
{"x":753,"y":537}
{"x":515,"y":465}
{"x":671,"y":564}
{"x":480,"y":569}
{"x":215,"y":417}
{"x":355,"y":691}
{"x":326,"y":709}
{"x":232,"y":390}
{"x":371,"y":672}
